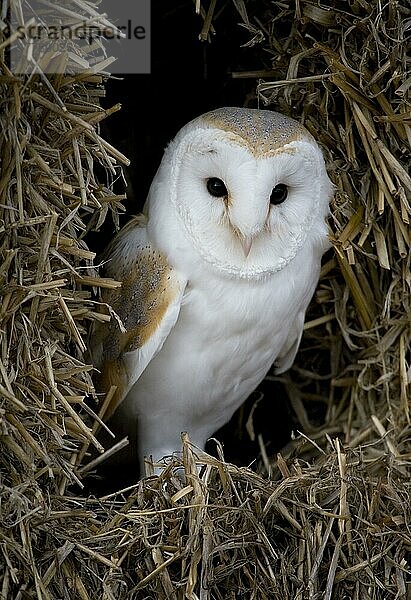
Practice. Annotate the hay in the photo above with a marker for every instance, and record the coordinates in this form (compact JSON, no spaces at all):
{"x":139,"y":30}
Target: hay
{"x":333,"y":518}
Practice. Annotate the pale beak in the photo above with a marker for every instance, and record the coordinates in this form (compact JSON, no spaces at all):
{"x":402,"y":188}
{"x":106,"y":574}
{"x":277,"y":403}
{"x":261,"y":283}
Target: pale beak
{"x":246,"y":243}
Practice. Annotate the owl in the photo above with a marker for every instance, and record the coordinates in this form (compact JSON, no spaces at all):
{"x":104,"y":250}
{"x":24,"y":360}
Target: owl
{"x":217,"y":274}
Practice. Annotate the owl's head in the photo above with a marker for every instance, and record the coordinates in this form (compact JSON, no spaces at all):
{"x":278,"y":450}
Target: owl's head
{"x":248,"y":188}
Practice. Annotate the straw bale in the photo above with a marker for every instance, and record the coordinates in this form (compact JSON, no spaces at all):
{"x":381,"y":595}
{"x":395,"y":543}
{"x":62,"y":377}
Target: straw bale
{"x":331,"y":517}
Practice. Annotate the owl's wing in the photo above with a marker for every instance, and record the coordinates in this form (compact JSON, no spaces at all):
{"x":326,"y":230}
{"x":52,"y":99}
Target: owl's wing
{"x":146,"y":309}
{"x":287,"y":354}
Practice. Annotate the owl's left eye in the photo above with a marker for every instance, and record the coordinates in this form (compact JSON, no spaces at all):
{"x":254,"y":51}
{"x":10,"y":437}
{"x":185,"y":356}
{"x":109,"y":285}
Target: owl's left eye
{"x":216,"y":187}
{"x":279,"y":194}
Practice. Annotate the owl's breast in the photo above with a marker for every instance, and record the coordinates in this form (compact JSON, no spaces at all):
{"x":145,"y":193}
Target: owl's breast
{"x":227,"y":336}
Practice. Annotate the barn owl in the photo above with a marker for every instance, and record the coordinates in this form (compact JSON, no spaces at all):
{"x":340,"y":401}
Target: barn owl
{"x":216,"y":275}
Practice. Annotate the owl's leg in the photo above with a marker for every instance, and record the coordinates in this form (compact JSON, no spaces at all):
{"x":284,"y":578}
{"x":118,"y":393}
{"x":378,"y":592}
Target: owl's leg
{"x":157,"y":441}
{"x":154,"y":452}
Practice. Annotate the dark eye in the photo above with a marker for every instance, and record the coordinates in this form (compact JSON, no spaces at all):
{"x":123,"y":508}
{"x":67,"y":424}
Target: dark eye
{"x":216,"y":187}
{"x":279,"y":194}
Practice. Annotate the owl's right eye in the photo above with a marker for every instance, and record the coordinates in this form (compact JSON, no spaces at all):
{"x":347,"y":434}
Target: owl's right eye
{"x":279,"y":194}
{"x":216,"y":187}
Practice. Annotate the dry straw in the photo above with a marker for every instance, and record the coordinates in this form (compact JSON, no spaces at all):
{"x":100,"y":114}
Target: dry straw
{"x":333,"y":519}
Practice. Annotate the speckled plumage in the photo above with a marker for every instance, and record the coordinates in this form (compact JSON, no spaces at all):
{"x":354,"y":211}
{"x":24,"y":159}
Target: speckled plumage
{"x":264,"y":132}
{"x":215,"y":289}
{"x":148,"y":288}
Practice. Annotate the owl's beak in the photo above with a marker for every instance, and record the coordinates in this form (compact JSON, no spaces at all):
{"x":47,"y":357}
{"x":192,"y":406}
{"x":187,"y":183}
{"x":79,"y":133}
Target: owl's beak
{"x":246,"y":243}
